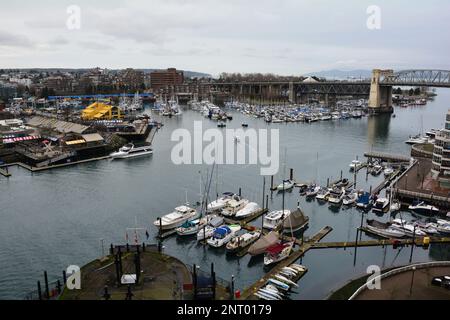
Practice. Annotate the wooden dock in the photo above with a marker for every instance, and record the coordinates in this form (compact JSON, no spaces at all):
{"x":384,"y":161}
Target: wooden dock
{"x":5,"y":173}
{"x":387,"y":157}
{"x":307,"y":245}
{"x":375,"y":243}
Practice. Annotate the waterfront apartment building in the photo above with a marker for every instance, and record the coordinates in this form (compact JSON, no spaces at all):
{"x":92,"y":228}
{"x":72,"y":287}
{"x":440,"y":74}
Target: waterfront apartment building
{"x":163,"y":78}
{"x":440,"y":169}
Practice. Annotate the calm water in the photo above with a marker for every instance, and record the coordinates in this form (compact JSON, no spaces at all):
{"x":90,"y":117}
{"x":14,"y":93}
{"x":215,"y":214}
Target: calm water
{"x":53,"y":219}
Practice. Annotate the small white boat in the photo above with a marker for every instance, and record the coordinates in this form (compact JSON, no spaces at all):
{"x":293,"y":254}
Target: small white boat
{"x":176,"y":218}
{"x":250,"y":209}
{"x":336,"y":196}
{"x":279,"y":284}
{"x":286,"y":185}
{"x":205,"y":233}
{"x":350,"y":199}
{"x":275,"y":219}
{"x":388,"y":171}
{"x":355,"y":165}
{"x":323,"y":194}
{"x":395,"y":206}
{"x":424,"y":209}
{"x":223,"y":235}
{"x":312,"y":191}
{"x":130,"y":151}
{"x":381,"y":205}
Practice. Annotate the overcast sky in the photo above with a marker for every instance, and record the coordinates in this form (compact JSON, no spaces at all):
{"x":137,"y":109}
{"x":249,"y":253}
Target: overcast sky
{"x":213,"y":36}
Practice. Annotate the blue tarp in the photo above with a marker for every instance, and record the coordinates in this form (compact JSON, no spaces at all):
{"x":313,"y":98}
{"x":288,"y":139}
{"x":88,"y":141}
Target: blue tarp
{"x":223,"y":231}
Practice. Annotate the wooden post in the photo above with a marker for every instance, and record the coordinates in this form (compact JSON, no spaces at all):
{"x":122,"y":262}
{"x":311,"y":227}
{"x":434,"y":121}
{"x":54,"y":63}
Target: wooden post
{"x":47,"y":291}
{"x":264,"y":192}
{"x":39,"y":290}
{"x":267,"y":202}
{"x":213,"y":275}
{"x":64,"y":277}
{"x":58,"y":286}
{"x":240,"y":192}
{"x":341,"y":175}
{"x":116,"y":262}
{"x":271,"y":182}
{"x":328,"y":182}
{"x":194,"y":278}
{"x":292,"y":174}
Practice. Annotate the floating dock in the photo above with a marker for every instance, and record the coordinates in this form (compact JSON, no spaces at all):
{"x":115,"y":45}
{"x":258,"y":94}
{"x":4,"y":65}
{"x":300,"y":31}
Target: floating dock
{"x":307,"y":245}
{"x":5,"y":173}
{"x":387,"y":157}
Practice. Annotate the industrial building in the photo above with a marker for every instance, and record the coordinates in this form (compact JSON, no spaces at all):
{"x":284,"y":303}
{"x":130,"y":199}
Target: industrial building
{"x":101,"y":111}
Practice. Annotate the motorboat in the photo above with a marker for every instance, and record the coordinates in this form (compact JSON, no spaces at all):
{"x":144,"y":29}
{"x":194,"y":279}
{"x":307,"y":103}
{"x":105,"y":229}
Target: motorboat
{"x":355,"y":165}
{"x":350,"y":199}
{"x":408,"y":228}
{"x":395,"y":206}
{"x":233,"y":206}
{"x":323,"y":194}
{"x":384,"y":229}
{"x":277,"y":252}
{"x":191,"y":227}
{"x":286,"y":185}
{"x":381,"y":205}
{"x":443,"y":227}
{"x":376,"y":170}
{"x":223,"y":235}
{"x":417,"y":139}
{"x":364,"y":201}
{"x":274,"y":219}
{"x":220,"y":203}
{"x":388,"y":171}
{"x":207,"y":231}
{"x":264,"y":242}
{"x":242,"y":241}
{"x":302,"y":189}
{"x":342,"y":183}
{"x":336,"y":196}
{"x":312,"y":191}
{"x":423,"y":209}
{"x":130,"y":151}
{"x":295,"y":221}
{"x":250,"y":209}
{"x":176,"y":218}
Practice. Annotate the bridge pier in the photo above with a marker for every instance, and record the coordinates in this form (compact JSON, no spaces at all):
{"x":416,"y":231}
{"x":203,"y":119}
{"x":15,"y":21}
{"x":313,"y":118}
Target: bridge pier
{"x":380,"y":98}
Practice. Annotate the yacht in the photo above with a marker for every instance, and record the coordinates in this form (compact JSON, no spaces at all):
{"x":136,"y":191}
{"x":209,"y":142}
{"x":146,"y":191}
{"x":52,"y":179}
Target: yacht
{"x":274,"y":219}
{"x":223,"y":235}
{"x":243,"y":241}
{"x":336,"y":196}
{"x":418,"y":139}
{"x":424,"y":209}
{"x":176,"y":218}
{"x":250,"y":209}
{"x":233,"y":206}
{"x":355,"y":165}
{"x":277,"y":253}
{"x":220,"y":203}
{"x":381,"y":205}
{"x":286,"y":185}
{"x":384,"y":229}
{"x":130,"y":151}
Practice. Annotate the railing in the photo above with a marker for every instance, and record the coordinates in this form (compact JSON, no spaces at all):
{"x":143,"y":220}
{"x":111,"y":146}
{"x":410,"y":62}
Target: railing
{"x":400,"y":270}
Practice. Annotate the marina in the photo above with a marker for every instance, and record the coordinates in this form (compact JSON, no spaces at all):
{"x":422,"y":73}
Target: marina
{"x":188,"y":251}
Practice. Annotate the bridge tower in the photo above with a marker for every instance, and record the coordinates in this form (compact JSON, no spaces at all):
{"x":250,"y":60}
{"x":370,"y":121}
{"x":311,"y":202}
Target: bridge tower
{"x":380,"y":99}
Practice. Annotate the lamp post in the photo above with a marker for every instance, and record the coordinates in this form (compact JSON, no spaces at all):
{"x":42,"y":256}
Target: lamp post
{"x":412,"y":280}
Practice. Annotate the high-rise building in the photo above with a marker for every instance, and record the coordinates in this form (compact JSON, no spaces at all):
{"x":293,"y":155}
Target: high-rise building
{"x":169,"y":77}
{"x":440,"y":169}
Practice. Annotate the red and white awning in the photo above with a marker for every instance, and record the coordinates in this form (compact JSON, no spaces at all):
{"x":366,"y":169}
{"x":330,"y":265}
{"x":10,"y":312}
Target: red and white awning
{"x":20,"y":139}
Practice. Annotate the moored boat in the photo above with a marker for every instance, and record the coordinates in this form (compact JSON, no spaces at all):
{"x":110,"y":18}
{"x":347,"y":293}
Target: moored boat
{"x":176,"y":218}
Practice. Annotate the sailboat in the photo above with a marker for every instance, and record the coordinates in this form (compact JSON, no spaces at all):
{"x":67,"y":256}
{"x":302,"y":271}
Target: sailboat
{"x":295,"y":221}
{"x":286,"y":184}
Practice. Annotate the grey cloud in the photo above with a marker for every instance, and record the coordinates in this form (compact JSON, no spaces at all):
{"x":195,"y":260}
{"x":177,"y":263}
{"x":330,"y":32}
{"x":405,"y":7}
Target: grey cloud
{"x":15,"y":40}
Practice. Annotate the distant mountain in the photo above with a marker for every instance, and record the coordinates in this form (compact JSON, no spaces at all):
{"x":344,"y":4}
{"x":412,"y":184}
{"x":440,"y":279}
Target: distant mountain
{"x":341,"y":74}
